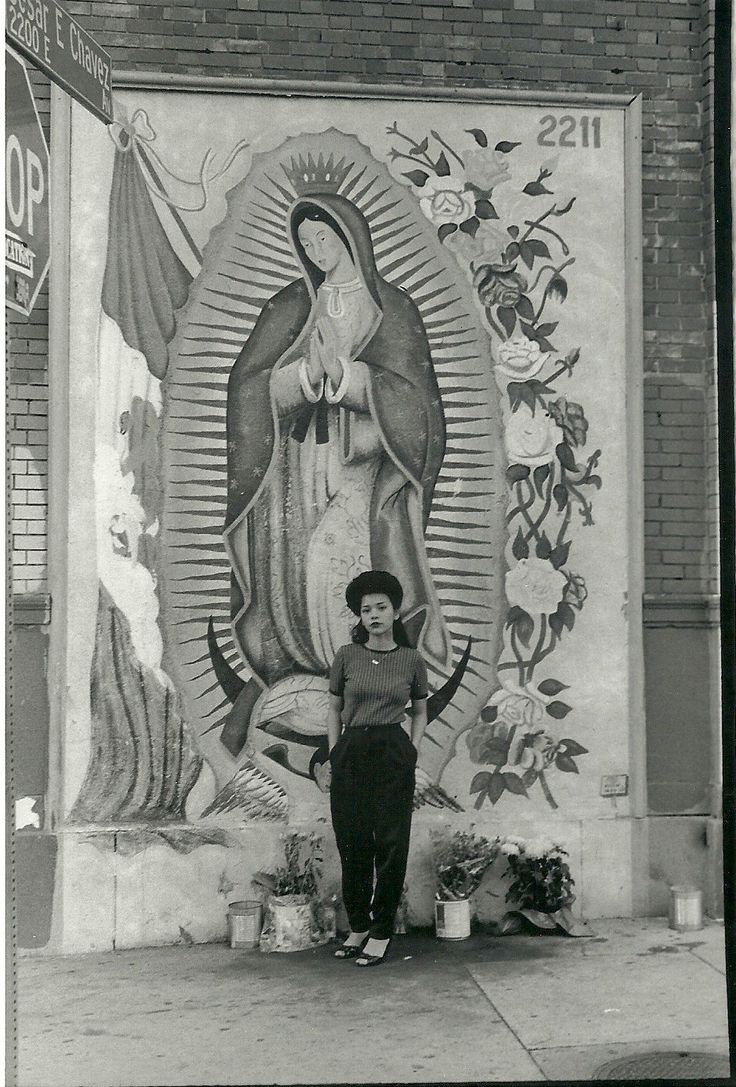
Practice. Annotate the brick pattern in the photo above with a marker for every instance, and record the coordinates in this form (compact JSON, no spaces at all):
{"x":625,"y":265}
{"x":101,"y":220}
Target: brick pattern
{"x":27,"y":417}
{"x":659,"y":48}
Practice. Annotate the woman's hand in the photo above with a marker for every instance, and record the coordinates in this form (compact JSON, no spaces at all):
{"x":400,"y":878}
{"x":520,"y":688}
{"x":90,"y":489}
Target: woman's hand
{"x":315,"y":368}
{"x":323,"y":776}
{"x":327,"y":347}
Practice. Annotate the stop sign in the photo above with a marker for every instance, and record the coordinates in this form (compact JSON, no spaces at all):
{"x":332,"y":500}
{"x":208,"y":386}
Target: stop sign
{"x":26,"y":191}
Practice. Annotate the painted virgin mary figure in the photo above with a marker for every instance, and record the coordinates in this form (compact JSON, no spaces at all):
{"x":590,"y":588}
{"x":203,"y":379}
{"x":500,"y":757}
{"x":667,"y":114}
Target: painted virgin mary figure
{"x":335,"y":435}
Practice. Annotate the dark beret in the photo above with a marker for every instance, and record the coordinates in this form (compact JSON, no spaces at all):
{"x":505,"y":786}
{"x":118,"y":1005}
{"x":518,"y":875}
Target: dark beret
{"x":373,"y":581}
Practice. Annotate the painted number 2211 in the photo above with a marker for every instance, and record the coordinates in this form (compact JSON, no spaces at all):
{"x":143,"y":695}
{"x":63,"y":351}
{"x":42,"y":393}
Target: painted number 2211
{"x":569,"y":131}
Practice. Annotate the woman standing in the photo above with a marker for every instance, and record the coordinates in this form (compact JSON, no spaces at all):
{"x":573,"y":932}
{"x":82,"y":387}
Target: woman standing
{"x":373,"y":761}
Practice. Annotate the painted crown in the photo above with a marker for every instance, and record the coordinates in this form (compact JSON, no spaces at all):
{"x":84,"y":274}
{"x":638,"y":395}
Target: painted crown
{"x":308,"y":175}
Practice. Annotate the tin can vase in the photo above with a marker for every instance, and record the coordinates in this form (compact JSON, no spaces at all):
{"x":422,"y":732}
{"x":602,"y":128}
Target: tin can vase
{"x":452,"y":919}
{"x":292,"y":923}
{"x":244,"y":923}
{"x":686,"y":909}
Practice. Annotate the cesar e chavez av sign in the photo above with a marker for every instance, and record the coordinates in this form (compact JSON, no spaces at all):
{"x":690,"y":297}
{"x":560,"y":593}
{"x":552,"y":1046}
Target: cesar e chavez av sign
{"x":46,"y":35}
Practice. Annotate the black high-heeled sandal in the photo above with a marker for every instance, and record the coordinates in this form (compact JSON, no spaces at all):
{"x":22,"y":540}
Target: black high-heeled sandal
{"x":366,"y":959}
{"x":351,"y":951}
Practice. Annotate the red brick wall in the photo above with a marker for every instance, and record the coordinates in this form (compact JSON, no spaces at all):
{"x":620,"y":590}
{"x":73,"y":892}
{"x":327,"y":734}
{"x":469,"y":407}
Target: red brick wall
{"x":662,"y":50}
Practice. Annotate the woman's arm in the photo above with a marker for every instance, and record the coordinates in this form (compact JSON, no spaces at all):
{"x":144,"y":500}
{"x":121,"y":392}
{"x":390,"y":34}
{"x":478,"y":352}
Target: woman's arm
{"x":292,"y":386}
{"x":334,"y":722}
{"x":418,"y":720}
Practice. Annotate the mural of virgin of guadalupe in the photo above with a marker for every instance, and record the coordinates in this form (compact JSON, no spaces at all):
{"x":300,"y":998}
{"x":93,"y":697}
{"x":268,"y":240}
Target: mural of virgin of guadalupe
{"x":335,"y":438}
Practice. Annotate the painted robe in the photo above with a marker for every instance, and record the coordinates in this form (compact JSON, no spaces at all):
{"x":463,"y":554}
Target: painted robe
{"x":325,"y":482}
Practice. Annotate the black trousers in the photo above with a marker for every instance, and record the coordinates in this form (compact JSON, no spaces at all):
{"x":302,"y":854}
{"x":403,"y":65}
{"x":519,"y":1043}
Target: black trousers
{"x":371,"y":799}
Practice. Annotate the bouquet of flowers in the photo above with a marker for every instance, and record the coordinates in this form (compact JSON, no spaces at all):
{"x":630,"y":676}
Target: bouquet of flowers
{"x":541,"y":886}
{"x":460,"y":862}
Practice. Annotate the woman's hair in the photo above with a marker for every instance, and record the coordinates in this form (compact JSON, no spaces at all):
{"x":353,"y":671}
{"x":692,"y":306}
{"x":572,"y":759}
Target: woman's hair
{"x":315,"y":214}
{"x":370,"y":583}
{"x":359,"y":634}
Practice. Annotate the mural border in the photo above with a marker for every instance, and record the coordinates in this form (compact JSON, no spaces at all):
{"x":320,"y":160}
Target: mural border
{"x":61,"y":678}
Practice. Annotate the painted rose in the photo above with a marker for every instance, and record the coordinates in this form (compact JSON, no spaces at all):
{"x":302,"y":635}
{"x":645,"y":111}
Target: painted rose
{"x":487,"y":742}
{"x":443,"y":200}
{"x":501,"y":285}
{"x":485,"y":168}
{"x":520,"y":358}
{"x":487,"y":245}
{"x":530,"y":438}
{"x":571,"y":417}
{"x":534,"y":585}
{"x":533,"y":750}
{"x":517,"y":708}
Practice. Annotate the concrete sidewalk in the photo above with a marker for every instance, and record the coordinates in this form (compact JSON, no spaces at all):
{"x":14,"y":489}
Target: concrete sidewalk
{"x":488,"y":1008}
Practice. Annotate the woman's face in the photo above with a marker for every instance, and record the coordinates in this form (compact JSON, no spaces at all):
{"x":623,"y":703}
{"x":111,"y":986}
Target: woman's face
{"x":377,"y":613}
{"x":322,"y":245}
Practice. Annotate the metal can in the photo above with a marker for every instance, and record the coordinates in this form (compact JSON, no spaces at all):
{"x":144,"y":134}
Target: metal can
{"x":244,"y":923}
{"x":686,"y":909}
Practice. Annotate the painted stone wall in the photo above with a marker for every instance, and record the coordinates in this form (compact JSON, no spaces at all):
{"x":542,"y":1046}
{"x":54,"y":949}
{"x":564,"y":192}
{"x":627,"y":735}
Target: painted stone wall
{"x":475,"y":440}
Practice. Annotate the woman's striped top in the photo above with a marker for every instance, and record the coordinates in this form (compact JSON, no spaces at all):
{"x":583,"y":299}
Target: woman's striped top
{"x":376,"y":686}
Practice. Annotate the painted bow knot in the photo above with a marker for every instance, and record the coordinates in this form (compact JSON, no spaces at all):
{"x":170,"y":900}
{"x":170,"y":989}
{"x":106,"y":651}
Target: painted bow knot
{"x":191,"y":195}
{"x":138,"y":129}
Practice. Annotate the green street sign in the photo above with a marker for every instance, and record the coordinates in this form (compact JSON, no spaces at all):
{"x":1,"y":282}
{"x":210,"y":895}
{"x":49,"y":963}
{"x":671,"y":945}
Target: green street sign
{"x":45,"y":34}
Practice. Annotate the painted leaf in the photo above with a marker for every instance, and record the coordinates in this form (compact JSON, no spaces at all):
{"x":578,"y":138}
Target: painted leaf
{"x":548,"y":329}
{"x":512,"y":251}
{"x":507,"y":317}
{"x":513,"y":231}
{"x":417,"y":177}
{"x":421,"y":148}
{"x":559,"y":492}
{"x":513,"y":615}
{"x":527,"y":253}
{"x":558,"y":710}
{"x":558,"y":556}
{"x":515,"y":473}
{"x":544,"y":547}
{"x":551,"y":686}
{"x":555,"y":623}
{"x":566,"y":456}
{"x":525,"y":308}
{"x":572,"y":747}
{"x":479,"y":800}
{"x":504,"y":146}
{"x":566,"y":614}
{"x":470,"y":226}
{"x":566,"y":764}
{"x":544,"y":344}
{"x":540,"y":476}
{"x":480,"y":781}
{"x":514,"y":784}
{"x":520,"y":548}
{"x":529,"y":777}
{"x":478,"y":135}
{"x":536,"y":188}
{"x":484,"y":209}
{"x":496,"y":787}
{"x":442,"y":166}
{"x":446,"y":230}
{"x":524,"y":629}
{"x":539,"y":247}
{"x":489,"y":714}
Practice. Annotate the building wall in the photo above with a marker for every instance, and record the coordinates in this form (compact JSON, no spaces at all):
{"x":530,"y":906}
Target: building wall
{"x":661,"y":50}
